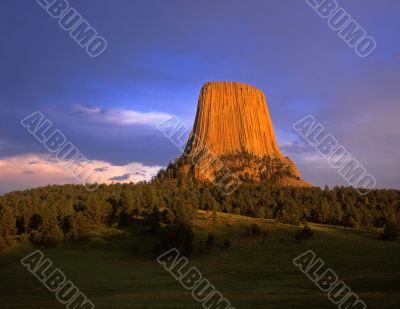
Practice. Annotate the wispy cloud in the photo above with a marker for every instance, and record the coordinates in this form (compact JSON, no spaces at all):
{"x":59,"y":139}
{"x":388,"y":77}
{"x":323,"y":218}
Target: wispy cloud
{"x":296,"y":147}
{"x":4,"y":144}
{"x":33,"y":170}
{"x":122,"y":116}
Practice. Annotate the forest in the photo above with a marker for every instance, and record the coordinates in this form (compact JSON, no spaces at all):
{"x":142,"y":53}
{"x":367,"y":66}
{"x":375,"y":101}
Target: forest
{"x":65,"y":213}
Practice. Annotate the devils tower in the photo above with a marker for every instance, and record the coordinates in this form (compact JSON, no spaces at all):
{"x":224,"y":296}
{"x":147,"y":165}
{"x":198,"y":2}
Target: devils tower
{"x":233,"y":134}
{"x":233,"y":118}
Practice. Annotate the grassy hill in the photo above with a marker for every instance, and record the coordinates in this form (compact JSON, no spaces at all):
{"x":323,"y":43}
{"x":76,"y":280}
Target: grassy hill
{"x":256,"y":272}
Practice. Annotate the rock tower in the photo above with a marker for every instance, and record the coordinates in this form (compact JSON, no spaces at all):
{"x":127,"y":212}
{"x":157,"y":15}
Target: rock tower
{"x":233,"y":134}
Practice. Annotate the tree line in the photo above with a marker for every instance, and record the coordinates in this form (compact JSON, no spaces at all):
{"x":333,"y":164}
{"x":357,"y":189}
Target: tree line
{"x":56,"y":214}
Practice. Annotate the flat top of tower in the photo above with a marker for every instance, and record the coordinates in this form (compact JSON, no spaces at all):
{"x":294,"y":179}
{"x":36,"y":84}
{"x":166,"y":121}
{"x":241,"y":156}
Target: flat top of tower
{"x":228,"y":85}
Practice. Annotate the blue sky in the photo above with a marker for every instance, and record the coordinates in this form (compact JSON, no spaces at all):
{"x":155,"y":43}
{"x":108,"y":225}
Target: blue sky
{"x":159,"y":55}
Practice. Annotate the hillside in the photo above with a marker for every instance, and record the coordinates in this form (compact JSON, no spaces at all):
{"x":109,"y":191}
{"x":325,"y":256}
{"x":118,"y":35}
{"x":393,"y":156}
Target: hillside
{"x":255,"y":272}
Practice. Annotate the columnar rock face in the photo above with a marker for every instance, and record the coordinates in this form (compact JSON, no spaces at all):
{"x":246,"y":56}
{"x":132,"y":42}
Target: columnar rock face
{"x":233,"y":118}
{"x":233,"y":134}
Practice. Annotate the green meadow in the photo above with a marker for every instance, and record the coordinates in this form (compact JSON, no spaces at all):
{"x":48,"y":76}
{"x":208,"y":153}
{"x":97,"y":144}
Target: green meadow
{"x":255,"y":272}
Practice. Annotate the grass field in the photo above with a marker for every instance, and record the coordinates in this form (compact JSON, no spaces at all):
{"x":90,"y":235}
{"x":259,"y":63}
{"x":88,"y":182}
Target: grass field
{"x":253,"y":273}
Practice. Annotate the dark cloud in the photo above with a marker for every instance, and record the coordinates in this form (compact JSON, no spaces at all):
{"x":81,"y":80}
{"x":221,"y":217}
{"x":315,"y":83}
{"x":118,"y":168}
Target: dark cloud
{"x":34,"y":162}
{"x":101,"y":169}
{"x":142,"y":173}
{"x":120,"y":178}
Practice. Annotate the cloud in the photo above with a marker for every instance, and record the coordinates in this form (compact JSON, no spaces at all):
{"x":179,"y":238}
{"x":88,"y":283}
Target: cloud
{"x":120,"y":178}
{"x":34,"y":170}
{"x":122,"y":116}
{"x":101,"y":169}
{"x":296,"y":147}
{"x":5,"y":144}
